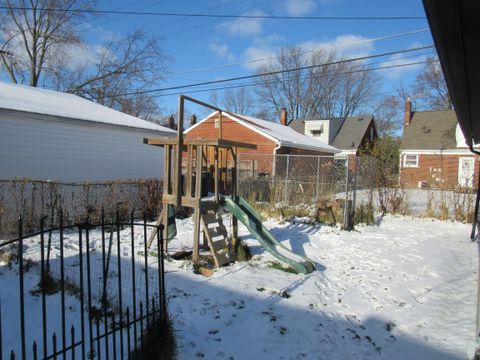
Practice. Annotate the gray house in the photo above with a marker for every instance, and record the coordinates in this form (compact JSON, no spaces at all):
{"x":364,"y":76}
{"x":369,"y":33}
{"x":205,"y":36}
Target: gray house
{"x":52,"y":135}
{"x":348,"y":134}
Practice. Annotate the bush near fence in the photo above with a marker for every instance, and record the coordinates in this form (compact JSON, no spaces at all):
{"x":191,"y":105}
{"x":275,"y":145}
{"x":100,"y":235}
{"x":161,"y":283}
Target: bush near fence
{"x":34,"y":199}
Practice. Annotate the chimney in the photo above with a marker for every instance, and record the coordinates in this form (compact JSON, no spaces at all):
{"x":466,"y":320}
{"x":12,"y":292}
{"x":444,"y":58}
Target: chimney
{"x":170,"y":122}
{"x":283,"y":117}
{"x":193,"y":120}
{"x":408,"y":113}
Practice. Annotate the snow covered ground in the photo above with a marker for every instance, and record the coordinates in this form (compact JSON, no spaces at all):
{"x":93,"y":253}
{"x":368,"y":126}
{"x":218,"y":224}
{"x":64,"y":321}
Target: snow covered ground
{"x":405,"y":289}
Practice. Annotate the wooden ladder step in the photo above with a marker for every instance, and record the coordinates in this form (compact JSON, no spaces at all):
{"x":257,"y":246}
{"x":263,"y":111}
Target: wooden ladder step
{"x":215,"y":232}
{"x":210,"y":218}
{"x":223,"y":258}
{"x":219,"y":245}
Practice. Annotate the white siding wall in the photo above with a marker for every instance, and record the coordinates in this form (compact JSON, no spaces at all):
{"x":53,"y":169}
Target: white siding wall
{"x":72,"y":151}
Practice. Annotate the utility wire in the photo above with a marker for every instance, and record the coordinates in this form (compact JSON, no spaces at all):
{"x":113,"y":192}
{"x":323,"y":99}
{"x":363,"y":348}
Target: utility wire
{"x":277,"y":72}
{"x":302,"y":78}
{"x":225,"y":16}
{"x":300,"y":52}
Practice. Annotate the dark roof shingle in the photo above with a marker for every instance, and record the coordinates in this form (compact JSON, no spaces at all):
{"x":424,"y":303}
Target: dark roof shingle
{"x":350,"y":135}
{"x":430,"y":130}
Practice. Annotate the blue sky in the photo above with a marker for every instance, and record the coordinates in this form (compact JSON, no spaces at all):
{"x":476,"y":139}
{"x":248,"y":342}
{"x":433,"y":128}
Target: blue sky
{"x":199,"y":43}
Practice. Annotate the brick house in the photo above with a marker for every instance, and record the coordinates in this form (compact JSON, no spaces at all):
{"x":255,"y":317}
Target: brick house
{"x":271,"y":138}
{"x":434,"y":153}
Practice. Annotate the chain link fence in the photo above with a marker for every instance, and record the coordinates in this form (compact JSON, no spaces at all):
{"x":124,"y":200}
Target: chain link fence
{"x":34,"y":199}
{"x":431,"y":186}
{"x":295,"y":180}
{"x":355,"y":188}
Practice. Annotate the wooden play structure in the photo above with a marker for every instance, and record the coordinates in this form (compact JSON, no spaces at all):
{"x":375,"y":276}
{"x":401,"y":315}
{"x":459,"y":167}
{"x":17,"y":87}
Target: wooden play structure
{"x":202,"y":174}
{"x":196,"y":172}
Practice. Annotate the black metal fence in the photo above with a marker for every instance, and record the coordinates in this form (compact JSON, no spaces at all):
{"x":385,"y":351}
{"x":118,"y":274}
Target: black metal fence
{"x":83,"y":291}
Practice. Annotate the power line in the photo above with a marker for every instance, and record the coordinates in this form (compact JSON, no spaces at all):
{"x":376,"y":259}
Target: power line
{"x":278,"y":71}
{"x":308,"y":76}
{"x":300,"y":53}
{"x":302,"y":78}
{"x":224,"y":16}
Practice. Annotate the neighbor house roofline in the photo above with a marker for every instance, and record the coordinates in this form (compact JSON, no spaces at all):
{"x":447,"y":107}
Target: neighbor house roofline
{"x":250,"y":124}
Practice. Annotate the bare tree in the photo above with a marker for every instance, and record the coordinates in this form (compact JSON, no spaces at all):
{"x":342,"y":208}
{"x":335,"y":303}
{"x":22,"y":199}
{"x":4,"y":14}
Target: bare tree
{"x":239,"y":101}
{"x":236,"y":100}
{"x":123,"y":69}
{"x":430,"y":86}
{"x":338,"y":89}
{"x":41,"y":44}
{"x":387,"y":116}
{"x":30,"y":33}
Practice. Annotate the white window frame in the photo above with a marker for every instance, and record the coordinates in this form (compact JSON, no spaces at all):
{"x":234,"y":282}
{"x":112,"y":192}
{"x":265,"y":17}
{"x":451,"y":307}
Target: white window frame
{"x":317,"y":132}
{"x":410,"y":165}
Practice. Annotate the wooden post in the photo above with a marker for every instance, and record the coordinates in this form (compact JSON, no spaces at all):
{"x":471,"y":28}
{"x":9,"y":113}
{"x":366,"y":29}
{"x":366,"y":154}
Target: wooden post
{"x":198,"y":195}
{"x":216,"y":173}
{"x":188,"y":191}
{"x":225,"y":170}
{"x":167,"y":168}
{"x":178,"y":159}
{"x":236,"y":242}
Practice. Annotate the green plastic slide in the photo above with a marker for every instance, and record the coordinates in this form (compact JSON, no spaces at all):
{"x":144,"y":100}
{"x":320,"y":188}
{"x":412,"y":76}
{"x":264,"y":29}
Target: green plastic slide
{"x":249,"y":217}
{"x":171,"y":225}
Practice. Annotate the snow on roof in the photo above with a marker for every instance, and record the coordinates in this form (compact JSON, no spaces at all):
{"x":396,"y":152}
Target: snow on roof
{"x":284,"y":135}
{"x":55,"y":103}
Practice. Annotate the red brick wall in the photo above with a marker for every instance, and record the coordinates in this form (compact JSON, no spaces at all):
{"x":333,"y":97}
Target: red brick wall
{"x":439,"y":171}
{"x":232,"y":130}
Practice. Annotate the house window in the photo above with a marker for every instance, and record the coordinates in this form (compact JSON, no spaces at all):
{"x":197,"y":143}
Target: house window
{"x":410,"y":161}
{"x":317,"y":132}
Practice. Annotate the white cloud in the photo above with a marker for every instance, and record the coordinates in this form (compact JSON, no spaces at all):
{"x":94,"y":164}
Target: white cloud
{"x":300,"y":7}
{"x":348,"y":46}
{"x":256,"y":53}
{"x":221,"y":51}
{"x":399,"y":60}
{"x":243,"y":27}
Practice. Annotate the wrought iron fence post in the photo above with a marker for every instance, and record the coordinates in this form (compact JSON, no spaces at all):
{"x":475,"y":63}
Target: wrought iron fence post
{"x":1,"y":339}
{"x":161,"y":270}
{"x":119,"y":274}
{"x":134,"y":287}
{"x":62,"y":288}
{"x":21,"y":287}
{"x":104,"y":280}
{"x":145,"y":249}
{"x":72,"y":342}
{"x":82,"y":309}
{"x":42,"y":285}
{"x":89,"y":289}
